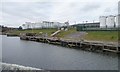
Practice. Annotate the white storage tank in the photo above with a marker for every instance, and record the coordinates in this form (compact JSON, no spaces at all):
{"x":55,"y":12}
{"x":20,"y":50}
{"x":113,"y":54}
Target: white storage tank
{"x":33,"y":25}
{"x":117,"y":22}
{"x":38,"y":25}
{"x":28,"y":25}
{"x":102,"y":20}
{"x":110,"y":21}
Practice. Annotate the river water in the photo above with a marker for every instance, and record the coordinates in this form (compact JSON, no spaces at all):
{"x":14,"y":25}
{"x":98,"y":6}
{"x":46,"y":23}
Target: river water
{"x":51,"y":57}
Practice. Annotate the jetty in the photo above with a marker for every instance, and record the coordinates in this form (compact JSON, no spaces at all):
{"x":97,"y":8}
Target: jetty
{"x":92,"y":46}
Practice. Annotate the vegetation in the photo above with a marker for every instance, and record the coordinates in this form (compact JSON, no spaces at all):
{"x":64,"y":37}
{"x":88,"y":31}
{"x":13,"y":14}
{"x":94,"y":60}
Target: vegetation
{"x":38,"y":31}
{"x":102,"y":35}
{"x":63,"y":33}
{"x":91,"y":35}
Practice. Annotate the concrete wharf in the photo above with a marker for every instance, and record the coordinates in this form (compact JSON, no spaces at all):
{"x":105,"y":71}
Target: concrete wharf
{"x":84,"y":45}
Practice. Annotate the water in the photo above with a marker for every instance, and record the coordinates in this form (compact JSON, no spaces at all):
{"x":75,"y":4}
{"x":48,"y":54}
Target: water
{"x":0,"y":53}
{"x":40,"y":55}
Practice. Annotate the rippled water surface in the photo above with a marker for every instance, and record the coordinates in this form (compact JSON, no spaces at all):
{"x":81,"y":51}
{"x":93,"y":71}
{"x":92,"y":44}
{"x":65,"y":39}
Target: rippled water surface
{"x":51,"y":57}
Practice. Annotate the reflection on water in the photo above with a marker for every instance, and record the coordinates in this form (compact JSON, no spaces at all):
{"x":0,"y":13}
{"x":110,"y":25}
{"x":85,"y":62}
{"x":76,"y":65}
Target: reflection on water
{"x":47,"y":56}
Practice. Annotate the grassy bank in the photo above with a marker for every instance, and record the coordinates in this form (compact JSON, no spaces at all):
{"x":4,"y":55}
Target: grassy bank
{"x":102,"y":35}
{"x":48,"y":31}
{"x":38,"y":31}
{"x":91,"y":35}
{"x":63,"y":34}
{"x":108,"y":36}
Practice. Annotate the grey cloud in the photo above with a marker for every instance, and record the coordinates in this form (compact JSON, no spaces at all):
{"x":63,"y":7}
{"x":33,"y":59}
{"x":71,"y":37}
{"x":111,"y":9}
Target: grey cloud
{"x":119,"y":7}
{"x":107,"y":10}
{"x":91,"y":7}
{"x":17,"y":13}
{"x":27,"y":11}
{"x":14,"y":12}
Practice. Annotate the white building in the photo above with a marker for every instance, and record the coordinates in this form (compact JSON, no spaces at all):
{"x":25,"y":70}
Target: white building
{"x":44,"y":24}
{"x":102,"y":20}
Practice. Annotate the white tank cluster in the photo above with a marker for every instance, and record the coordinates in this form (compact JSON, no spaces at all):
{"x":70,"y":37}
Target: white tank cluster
{"x":109,"y":21}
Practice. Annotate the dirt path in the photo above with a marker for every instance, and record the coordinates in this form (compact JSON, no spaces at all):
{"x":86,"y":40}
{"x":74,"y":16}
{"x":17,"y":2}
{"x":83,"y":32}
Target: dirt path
{"x":76,"y":35}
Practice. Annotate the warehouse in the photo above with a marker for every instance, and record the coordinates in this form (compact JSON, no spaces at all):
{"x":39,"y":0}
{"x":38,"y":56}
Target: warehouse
{"x":87,"y":26}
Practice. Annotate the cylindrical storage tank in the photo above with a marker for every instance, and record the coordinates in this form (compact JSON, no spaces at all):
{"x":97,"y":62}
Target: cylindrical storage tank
{"x":28,"y":24}
{"x":110,"y":21}
{"x":102,"y":20}
{"x":37,"y":25}
{"x":32,"y":25}
{"x":117,"y":22}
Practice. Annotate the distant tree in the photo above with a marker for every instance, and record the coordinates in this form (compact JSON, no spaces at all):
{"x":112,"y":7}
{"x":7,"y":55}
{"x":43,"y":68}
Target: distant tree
{"x":20,"y":28}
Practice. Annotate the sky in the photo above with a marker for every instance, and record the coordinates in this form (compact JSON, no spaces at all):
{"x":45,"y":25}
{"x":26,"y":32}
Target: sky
{"x":14,"y":13}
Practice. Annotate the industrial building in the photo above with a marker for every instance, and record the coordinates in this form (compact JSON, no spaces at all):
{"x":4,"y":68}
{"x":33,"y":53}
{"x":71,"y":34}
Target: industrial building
{"x":105,"y":23}
{"x":43,"y":24}
{"x":87,"y":26}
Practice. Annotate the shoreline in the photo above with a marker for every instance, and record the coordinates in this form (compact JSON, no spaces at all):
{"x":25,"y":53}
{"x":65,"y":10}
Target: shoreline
{"x":92,"y":46}
{"x":88,"y":45}
{"x":98,"y":41}
{"x":7,"y":66}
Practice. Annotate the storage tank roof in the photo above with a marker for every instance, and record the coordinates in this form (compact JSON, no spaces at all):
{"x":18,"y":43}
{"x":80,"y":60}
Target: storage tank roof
{"x":111,"y":16}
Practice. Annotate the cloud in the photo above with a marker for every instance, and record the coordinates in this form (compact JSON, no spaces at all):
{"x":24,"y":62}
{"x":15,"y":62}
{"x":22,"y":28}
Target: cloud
{"x":119,"y":7}
{"x":24,"y":11}
{"x":91,"y":6}
{"x":16,"y":13}
{"x":107,"y":10}
{"x":59,"y":0}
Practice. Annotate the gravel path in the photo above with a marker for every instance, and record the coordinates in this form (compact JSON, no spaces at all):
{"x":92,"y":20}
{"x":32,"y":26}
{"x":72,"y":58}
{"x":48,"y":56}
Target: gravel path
{"x":76,"y":35}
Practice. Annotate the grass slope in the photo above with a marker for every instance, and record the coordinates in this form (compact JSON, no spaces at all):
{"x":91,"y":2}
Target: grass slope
{"x":102,"y":35}
{"x":48,"y":31}
{"x":92,"y":35}
{"x":63,"y":33}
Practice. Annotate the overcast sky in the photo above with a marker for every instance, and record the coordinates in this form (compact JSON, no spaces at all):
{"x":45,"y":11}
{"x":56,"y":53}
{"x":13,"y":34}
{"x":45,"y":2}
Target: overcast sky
{"x":14,"y":13}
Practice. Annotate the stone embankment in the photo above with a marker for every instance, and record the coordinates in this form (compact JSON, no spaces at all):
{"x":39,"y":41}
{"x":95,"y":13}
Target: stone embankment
{"x":84,"y":45}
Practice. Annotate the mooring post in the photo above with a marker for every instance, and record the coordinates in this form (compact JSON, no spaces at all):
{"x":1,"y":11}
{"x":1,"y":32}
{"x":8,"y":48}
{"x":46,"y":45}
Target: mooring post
{"x":103,"y":47}
{"x":90,"y":45}
{"x":117,"y":48}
